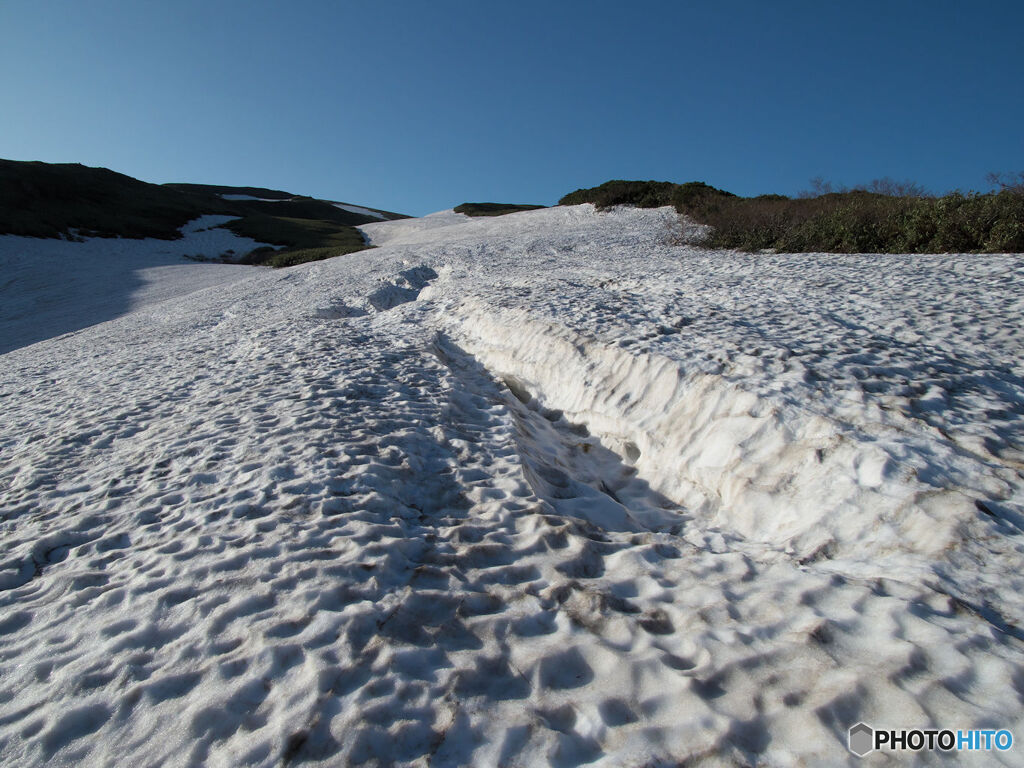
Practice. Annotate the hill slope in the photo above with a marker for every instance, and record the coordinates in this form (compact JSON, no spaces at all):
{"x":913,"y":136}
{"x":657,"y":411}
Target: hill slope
{"x":538,"y":489}
{"x":82,"y":245}
{"x":61,"y":200}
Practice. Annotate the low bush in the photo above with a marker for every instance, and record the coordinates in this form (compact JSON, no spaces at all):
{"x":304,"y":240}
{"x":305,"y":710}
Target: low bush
{"x":641,"y":194}
{"x":867,"y":222}
{"x":883,"y":217}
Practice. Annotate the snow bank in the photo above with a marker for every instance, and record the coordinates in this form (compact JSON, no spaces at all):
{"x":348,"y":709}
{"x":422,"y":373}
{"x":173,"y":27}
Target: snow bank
{"x":768,"y":471}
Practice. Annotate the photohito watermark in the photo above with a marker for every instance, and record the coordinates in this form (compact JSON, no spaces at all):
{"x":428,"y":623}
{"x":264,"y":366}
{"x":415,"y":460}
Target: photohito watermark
{"x":862,"y":739}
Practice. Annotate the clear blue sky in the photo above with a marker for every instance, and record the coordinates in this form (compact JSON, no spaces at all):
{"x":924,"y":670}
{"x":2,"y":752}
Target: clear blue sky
{"x":416,"y":106}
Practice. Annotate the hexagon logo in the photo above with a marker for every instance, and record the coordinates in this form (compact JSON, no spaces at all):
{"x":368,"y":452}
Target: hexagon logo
{"x":861,"y":739}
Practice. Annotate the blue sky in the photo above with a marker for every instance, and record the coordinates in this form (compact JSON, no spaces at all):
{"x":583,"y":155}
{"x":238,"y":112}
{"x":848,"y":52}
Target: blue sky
{"x":417,"y":106}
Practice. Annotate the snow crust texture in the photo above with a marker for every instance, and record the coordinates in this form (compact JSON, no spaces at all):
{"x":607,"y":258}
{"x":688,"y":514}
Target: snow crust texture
{"x":541,"y":489}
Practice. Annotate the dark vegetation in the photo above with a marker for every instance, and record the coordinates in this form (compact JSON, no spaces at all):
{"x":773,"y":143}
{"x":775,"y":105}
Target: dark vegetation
{"x":44,"y":200}
{"x":494,"y":209}
{"x":216,"y":189}
{"x":882,"y":217}
{"x":309,"y":230}
{"x":71,"y":200}
{"x":305,"y":239}
{"x":645,"y":194}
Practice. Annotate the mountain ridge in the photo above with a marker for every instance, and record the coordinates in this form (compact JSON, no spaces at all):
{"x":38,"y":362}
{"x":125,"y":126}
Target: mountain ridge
{"x":71,"y":200}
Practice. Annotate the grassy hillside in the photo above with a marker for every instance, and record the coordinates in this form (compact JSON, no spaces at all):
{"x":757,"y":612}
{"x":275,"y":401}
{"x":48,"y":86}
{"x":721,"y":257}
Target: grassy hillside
{"x":494,"y":209}
{"x":50,"y":200}
{"x":305,"y":239}
{"x":273,"y":196}
{"x":58,"y":200}
{"x":850,"y":221}
{"x":215,"y":189}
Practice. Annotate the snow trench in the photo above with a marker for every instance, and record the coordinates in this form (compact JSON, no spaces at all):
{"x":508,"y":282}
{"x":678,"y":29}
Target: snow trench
{"x":563,"y":463}
{"x":748,"y":464}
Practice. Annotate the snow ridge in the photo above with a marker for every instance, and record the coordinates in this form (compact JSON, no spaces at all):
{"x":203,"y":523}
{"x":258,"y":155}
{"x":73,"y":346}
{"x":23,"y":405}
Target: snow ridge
{"x":765,"y":470}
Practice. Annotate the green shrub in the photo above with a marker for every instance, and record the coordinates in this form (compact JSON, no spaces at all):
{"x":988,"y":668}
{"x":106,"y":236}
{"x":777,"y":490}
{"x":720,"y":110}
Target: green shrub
{"x":861,"y":220}
{"x":641,"y":194}
{"x":864,"y":222}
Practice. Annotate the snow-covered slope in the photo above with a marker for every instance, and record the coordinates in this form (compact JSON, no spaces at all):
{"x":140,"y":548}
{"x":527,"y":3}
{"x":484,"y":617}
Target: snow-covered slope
{"x":49,"y":287}
{"x":361,"y":210}
{"x":541,"y":489}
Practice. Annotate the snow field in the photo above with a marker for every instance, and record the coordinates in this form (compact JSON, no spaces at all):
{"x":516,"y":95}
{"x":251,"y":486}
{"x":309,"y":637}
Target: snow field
{"x":359,"y":209}
{"x":544,"y":489}
{"x":50,"y":286}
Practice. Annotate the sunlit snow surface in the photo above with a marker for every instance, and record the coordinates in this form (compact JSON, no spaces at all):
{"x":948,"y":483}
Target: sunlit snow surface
{"x":541,"y":489}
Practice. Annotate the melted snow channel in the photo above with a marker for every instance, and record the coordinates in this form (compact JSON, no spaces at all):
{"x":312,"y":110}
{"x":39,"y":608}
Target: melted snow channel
{"x":762,"y":468}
